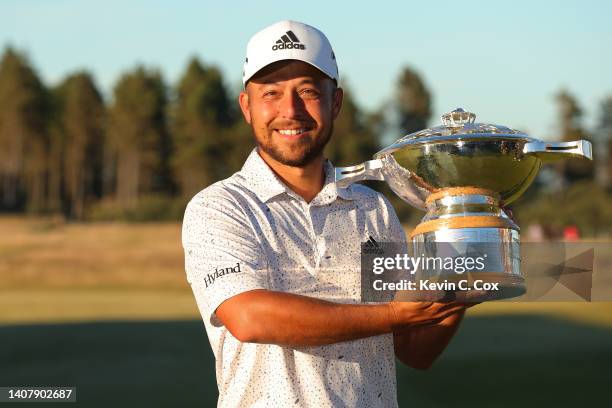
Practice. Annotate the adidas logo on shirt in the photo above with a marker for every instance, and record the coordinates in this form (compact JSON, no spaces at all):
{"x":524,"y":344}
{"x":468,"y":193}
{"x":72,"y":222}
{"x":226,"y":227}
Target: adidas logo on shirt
{"x":287,"y":42}
{"x":371,"y":246}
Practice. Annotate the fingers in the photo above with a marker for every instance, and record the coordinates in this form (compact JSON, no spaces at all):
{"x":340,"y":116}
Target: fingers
{"x":411,"y":314}
{"x":451,"y":307}
{"x":443,"y":312}
{"x":449,"y":313}
{"x":440,"y":311}
{"x":466,"y":296}
{"x":419,"y":296}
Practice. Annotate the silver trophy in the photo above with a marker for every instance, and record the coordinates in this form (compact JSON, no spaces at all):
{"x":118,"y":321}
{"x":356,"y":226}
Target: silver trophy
{"x":462,"y":174}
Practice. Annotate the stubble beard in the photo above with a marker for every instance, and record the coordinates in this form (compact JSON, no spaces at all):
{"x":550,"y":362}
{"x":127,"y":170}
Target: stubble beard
{"x":309,"y":149}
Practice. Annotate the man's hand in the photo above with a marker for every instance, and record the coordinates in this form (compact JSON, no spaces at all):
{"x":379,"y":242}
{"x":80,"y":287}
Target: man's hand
{"x":263,"y":316}
{"x":406,"y":315}
{"x":418,"y":308}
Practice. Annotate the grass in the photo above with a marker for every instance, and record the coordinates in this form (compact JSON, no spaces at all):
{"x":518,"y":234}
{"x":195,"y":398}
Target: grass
{"x":52,"y":271}
{"x":48,"y":253}
{"x":114,"y":364}
{"x":510,"y":361}
{"x":503,"y":361}
{"x":106,"y":307}
{"x":28,"y":306}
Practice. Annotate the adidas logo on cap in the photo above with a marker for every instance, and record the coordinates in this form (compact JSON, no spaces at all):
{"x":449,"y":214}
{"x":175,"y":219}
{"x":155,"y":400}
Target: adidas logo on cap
{"x":279,"y":42}
{"x":287,"y":42}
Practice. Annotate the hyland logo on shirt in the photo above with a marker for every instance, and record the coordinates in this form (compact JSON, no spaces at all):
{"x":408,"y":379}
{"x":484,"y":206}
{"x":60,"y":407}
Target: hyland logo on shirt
{"x":288,"y":41}
{"x":371,"y":246}
{"x":209,"y":279}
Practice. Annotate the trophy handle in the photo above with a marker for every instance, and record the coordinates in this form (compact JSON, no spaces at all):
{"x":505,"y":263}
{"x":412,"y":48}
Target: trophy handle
{"x":370,"y":170}
{"x":551,"y":151}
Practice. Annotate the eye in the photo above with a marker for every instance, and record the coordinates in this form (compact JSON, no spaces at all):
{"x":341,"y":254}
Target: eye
{"x":309,"y":93}
{"x":271,"y":93}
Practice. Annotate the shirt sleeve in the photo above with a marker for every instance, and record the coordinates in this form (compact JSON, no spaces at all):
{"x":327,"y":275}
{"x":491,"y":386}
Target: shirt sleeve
{"x":223,"y":258}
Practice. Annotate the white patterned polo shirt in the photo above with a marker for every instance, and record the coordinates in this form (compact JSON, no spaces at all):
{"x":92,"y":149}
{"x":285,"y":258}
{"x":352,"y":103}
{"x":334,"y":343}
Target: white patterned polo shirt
{"x":250,"y":231}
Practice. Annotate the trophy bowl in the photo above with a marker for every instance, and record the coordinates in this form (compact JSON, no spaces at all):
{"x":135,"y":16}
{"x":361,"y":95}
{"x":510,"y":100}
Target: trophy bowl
{"x":463,"y":174}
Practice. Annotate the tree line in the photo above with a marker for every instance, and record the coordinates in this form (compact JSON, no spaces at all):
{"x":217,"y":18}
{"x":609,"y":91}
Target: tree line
{"x":65,"y":149}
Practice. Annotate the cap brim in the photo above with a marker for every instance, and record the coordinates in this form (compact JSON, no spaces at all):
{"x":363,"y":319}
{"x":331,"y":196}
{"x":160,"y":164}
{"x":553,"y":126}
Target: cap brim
{"x":330,"y":76}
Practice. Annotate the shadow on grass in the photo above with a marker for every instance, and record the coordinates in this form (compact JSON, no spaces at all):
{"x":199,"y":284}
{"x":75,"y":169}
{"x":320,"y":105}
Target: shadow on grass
{"x":516,"y":361}
{"x":492,"y":362}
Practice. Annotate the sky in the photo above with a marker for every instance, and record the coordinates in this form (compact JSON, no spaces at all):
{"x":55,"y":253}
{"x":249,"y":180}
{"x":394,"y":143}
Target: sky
{"x":504,"y":61}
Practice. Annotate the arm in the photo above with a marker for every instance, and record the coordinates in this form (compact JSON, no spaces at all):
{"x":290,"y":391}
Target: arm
{"x":263,"y":316}
{"x":421,"y":346}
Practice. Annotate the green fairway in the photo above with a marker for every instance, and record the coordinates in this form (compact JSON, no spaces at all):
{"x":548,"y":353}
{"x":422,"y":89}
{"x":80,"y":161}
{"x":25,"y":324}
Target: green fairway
{"x":495,"y":361}
{"x":106,"y":308}
{"x":516,"y":361}
{"x":114,"y":364}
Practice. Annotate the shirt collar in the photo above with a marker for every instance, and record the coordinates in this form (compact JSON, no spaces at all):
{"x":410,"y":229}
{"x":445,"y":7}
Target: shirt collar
{"x":266,"y":185}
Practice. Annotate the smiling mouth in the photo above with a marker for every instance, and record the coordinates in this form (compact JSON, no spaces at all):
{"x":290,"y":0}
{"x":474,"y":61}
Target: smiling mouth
{"x":292,"y":132}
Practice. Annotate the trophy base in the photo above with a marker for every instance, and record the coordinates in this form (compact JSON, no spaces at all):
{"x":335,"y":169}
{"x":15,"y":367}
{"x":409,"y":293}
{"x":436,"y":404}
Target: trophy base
{"x":461,"y":222}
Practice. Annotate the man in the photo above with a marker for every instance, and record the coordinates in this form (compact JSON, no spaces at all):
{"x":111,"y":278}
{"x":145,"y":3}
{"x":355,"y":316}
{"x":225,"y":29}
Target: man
{"x":273,"y":252}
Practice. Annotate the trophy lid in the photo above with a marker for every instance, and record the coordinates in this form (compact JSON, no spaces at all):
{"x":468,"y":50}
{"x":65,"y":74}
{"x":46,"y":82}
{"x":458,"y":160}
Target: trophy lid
{"x":458,"y":125}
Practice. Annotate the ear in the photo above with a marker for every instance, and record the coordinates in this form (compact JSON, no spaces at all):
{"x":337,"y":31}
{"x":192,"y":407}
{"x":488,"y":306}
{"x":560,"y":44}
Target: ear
{"x":243,"y":101}
{"x":337,"y":102}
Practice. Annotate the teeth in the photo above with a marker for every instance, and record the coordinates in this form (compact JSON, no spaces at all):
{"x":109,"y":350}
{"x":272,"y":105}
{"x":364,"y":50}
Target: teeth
{"x":291,"y":131}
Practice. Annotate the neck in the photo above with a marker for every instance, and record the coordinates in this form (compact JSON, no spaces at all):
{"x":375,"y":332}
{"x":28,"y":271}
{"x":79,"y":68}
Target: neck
{"x":306,"y":181}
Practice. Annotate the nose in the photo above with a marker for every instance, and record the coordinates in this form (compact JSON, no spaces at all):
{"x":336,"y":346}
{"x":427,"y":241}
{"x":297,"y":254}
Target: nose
{"x":291,"y":105}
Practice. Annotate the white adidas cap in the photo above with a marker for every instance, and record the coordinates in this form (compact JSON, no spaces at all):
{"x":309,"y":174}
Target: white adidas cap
{"x":289,"y":40}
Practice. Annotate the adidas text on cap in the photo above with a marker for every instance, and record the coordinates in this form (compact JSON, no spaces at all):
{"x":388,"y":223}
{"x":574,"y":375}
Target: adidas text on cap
{"x":287,"y":40}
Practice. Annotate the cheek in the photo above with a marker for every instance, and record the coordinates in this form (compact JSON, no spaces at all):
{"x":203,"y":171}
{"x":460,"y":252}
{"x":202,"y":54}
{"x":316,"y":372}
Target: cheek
{"x":319,"y":111}
{"x":263,"y":113}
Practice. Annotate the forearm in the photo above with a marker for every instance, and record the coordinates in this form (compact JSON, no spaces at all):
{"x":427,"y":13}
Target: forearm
{"x":420,"y":346}
{"x":292,"y":320}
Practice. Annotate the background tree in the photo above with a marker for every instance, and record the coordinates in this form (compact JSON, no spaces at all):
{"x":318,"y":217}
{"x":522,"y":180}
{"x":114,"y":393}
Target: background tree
{"x":24,"y":140}
{"x":603,"y":143}
{"x":138,"y":141}
{"x":353,"y":140}
{"x":82,"y":112}
{"x":413,"y":110}
{"x":413,"y":102}
{"x":202,"y":116}
{"x":241,"y":141}
{"x":570,"y":125}
{"x":55,"y":182}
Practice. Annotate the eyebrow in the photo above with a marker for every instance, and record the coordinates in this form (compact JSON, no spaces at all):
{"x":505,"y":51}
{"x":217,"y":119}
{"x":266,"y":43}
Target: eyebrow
{"x":302,"y":82}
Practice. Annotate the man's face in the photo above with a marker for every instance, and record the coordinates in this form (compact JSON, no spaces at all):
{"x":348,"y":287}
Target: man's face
{"x":291,"y":107}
